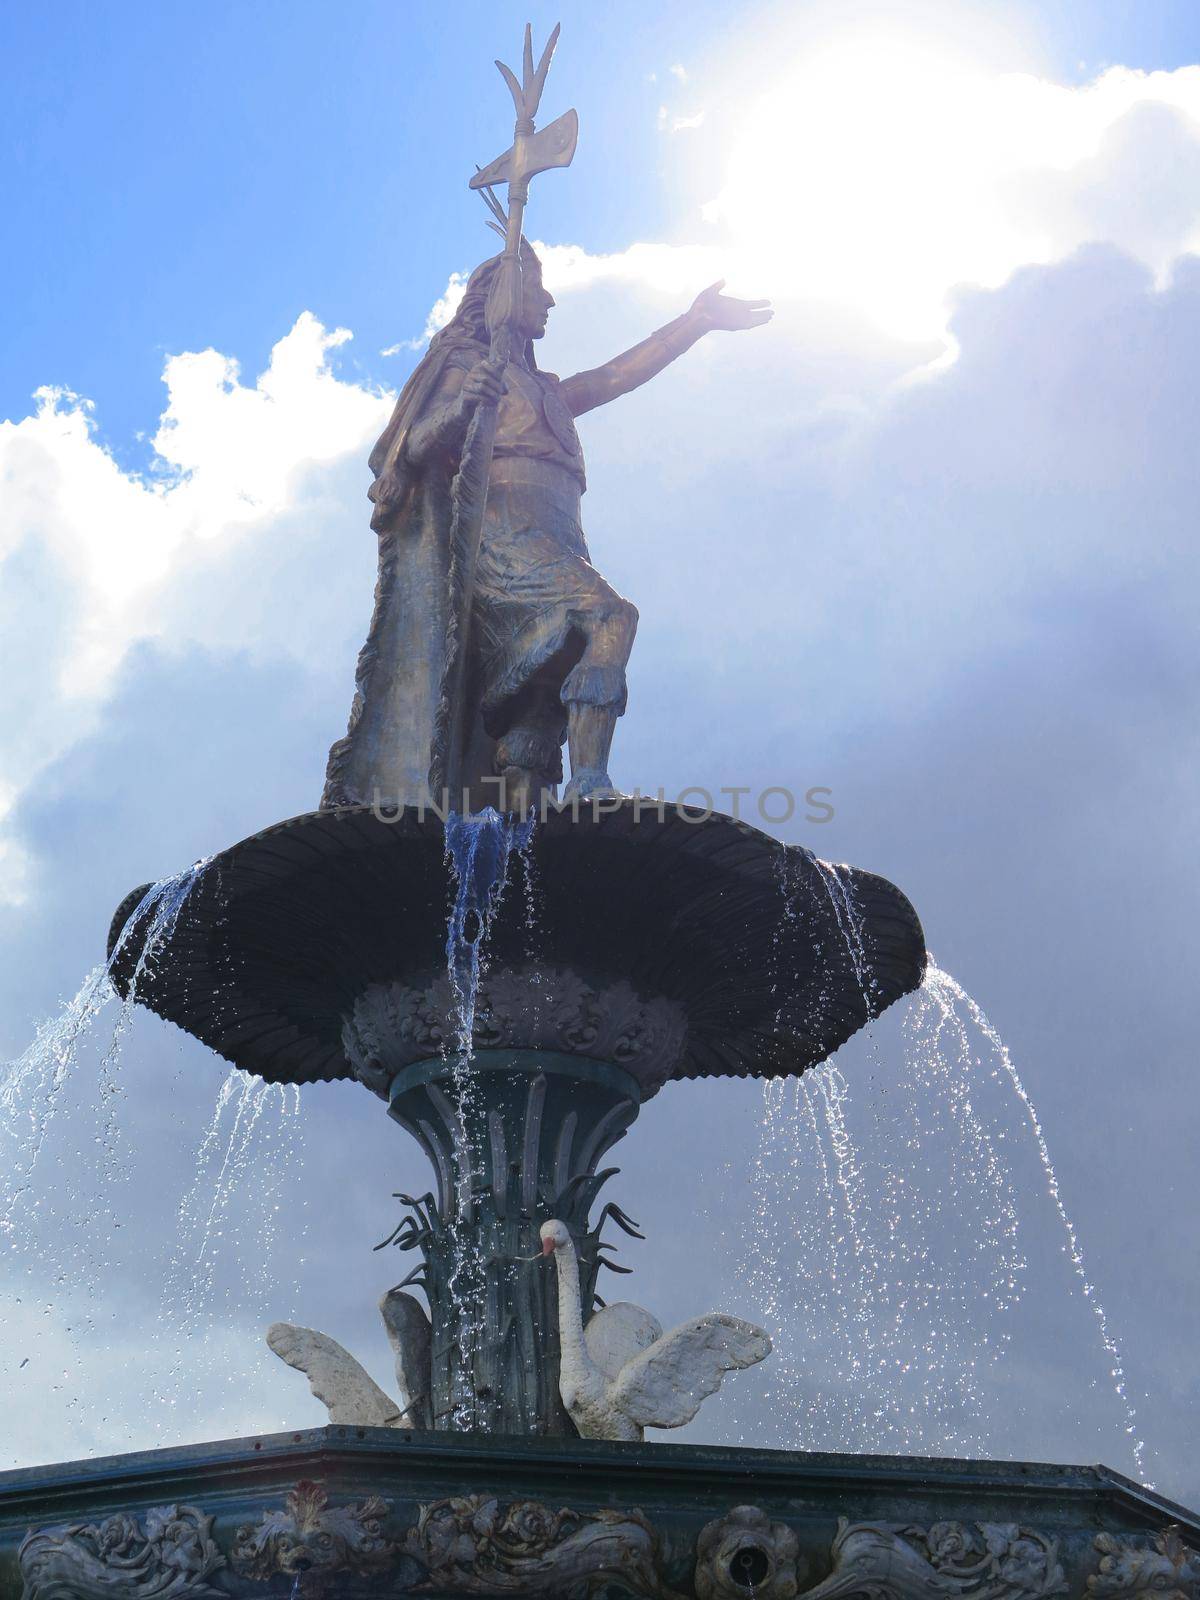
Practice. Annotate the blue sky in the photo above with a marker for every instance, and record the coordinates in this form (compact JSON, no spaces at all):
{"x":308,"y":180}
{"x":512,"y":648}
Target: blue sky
{"x":928,"y":540}
{"x":178,"y":178}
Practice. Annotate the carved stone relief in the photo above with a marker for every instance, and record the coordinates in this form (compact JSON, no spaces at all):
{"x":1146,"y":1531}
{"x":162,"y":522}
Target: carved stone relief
{"x":309,"y":1540}
{"x":947,"y":1561}
{"x":539,"y":1008}
{"x":745,"y":1554}
{"x":475,"y":1545}
{"x":167,"y":1554}
{"x":1165,"y":1568}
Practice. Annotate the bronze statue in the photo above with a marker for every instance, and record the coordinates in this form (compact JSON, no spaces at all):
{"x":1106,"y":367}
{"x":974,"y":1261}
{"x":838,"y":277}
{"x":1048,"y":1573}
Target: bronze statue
{"x":493,"y":636}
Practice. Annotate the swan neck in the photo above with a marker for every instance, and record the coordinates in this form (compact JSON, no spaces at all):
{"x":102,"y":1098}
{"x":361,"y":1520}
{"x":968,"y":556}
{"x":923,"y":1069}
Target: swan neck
{"x":570,"y":1309}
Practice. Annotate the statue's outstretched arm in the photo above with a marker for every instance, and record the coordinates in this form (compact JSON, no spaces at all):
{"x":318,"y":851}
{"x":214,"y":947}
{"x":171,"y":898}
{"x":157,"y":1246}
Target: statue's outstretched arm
{"x":710,"y":310}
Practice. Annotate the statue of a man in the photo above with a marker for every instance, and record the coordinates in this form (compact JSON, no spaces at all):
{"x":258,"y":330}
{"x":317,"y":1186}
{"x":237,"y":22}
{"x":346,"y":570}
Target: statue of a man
{"x":548,"y":638}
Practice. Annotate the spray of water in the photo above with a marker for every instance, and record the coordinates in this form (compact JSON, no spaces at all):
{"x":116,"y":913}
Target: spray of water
{"x":945,"y":992}
{"x":478,"y":851}
{"x":31,"y":1086}
{"x":889,"y":1257}
{"x":223,"y":1266}
{"x":61,"y":1223}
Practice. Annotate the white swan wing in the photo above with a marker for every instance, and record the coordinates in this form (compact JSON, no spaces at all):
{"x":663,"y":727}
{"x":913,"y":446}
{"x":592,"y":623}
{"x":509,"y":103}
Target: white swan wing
{"x":348,"y":1392}
{"x":664,"y":1386}
{"x":617,"y":1333}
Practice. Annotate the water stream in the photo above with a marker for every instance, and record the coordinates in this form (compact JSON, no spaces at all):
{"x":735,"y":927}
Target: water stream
{"x":75,"y":1277}
{"x":893,"y":1261}
{"x":31,"y":1086}
{"x":479,"y":848}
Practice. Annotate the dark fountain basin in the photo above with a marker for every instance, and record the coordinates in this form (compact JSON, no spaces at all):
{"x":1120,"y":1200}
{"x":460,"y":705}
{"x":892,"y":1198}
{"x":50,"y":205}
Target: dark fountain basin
{"x":733,"y":954}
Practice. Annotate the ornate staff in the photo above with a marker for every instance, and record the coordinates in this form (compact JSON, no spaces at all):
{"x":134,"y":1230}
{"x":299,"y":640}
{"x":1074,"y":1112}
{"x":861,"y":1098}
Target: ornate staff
{"x":530,"y":154}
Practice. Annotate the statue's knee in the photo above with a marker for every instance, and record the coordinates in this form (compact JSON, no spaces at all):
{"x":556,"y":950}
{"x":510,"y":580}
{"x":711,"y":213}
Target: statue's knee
{"x":531,"y":750}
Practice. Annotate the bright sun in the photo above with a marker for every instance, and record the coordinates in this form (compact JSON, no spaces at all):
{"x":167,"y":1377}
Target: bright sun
{"x":878,"y":173}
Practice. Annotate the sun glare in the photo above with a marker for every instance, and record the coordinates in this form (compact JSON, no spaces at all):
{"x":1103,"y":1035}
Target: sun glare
{"x":878,"y":173}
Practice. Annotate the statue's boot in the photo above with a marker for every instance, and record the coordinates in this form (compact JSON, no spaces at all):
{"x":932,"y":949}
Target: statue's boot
{"x":590,"y":732}
{"x":594,"y":694}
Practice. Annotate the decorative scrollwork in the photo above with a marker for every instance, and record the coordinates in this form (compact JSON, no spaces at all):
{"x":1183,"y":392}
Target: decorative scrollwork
{"x":169,"y":1554}
{"x":476,"y":1546}
{"x":540,"y":1008}
{"x":947,"y":1561}
{"x":745,"y":1554}
{"x":308,"y":1539}
{"x":1165,"y":1568}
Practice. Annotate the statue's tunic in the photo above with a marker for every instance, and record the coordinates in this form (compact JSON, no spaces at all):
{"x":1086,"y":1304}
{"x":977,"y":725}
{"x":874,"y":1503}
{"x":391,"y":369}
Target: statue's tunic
{"x":534,"y":582}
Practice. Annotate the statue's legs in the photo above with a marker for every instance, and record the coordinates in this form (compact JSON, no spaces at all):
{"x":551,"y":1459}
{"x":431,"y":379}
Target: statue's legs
{"x":529,"y":754}
{"x":582,"y":706}
{"x":594,"y":693}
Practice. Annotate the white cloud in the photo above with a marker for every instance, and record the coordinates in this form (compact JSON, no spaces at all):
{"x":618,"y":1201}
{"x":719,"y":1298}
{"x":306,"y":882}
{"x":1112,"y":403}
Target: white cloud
{"x":100,"y":545}
{"x":880,"y":175}
{"x":440,"y":314}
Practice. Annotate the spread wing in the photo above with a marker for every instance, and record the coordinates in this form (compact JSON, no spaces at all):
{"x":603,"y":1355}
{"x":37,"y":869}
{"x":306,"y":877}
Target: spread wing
{"x":664,"y":1386}
{"x":349,"y":1393}
{"x":617,"y":1333}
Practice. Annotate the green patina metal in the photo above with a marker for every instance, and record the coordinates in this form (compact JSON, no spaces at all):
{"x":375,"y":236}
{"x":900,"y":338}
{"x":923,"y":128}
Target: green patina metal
{"x":514,"y":1137}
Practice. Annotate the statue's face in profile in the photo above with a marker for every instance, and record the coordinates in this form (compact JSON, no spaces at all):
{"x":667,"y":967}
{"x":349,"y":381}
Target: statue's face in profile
{"x":536,"y":301}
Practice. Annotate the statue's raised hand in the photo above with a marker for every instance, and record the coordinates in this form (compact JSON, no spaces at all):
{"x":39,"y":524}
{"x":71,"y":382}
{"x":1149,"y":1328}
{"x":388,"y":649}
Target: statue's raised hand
{"x":719,"y":310}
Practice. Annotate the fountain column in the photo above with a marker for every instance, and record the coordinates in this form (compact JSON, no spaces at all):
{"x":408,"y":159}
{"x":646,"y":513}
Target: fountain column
{"x":514,"y":1137}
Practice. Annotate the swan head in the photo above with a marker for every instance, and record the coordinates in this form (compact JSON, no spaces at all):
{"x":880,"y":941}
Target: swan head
{"x":555,"y":1236}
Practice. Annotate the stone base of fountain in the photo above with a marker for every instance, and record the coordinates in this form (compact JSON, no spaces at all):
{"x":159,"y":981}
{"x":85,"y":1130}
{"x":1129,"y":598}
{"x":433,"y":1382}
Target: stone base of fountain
{"x":332,"y":1511}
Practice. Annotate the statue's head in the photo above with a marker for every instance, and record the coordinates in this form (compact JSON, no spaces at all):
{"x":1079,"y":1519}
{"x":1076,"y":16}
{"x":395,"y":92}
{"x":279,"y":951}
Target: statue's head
{"x":536,"y":299}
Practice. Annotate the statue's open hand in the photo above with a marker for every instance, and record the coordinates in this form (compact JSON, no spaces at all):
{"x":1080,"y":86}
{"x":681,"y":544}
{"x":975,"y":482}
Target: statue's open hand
{"x":484,"y":384}
{"x":723,"y":311}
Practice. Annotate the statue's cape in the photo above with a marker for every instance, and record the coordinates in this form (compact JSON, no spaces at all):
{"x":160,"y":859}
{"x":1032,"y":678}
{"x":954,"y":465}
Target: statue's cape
{"x":387,"y":751}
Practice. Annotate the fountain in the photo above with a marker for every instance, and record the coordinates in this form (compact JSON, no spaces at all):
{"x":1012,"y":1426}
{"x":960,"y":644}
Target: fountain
{"x":382,"y":939}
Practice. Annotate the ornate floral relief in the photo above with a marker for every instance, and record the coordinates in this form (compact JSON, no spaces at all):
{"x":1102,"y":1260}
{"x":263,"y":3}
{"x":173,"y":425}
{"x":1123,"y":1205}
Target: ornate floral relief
{"x":168,"y":1554}
{"x":946,"y":1561}
{"x":1134,"y":1571}
{"x":393,"y":1026}
{"x":475,"y":1545}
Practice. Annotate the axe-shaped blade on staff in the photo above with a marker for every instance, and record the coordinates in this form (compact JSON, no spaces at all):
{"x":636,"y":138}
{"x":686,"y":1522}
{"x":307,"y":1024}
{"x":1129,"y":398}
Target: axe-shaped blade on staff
{"x":530,"y":153}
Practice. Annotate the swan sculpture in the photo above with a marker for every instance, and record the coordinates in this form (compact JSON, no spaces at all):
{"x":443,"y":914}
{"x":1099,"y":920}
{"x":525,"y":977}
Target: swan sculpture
{"x":622,"y":1374}
{"x":345,"y":1388}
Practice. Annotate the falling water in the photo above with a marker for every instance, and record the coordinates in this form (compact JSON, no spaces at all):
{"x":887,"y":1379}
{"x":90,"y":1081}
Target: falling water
{"x":478,"y":848}
{"x":71,"y":1266}
{"x":478,"y":851}
{"x":31,"y":1087}
{"x":893,"y":1264}
{"x":945,"y":991}
{"x":224,"y":1267}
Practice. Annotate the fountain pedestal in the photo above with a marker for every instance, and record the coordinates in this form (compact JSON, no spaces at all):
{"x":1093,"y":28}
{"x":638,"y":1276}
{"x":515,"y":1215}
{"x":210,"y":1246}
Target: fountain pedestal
{"x":514,"y":1137}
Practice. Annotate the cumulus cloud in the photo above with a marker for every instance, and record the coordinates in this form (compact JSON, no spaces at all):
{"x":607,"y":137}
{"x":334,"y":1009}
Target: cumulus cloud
{"x":91,"y":550}
{"x":882,"y":175}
